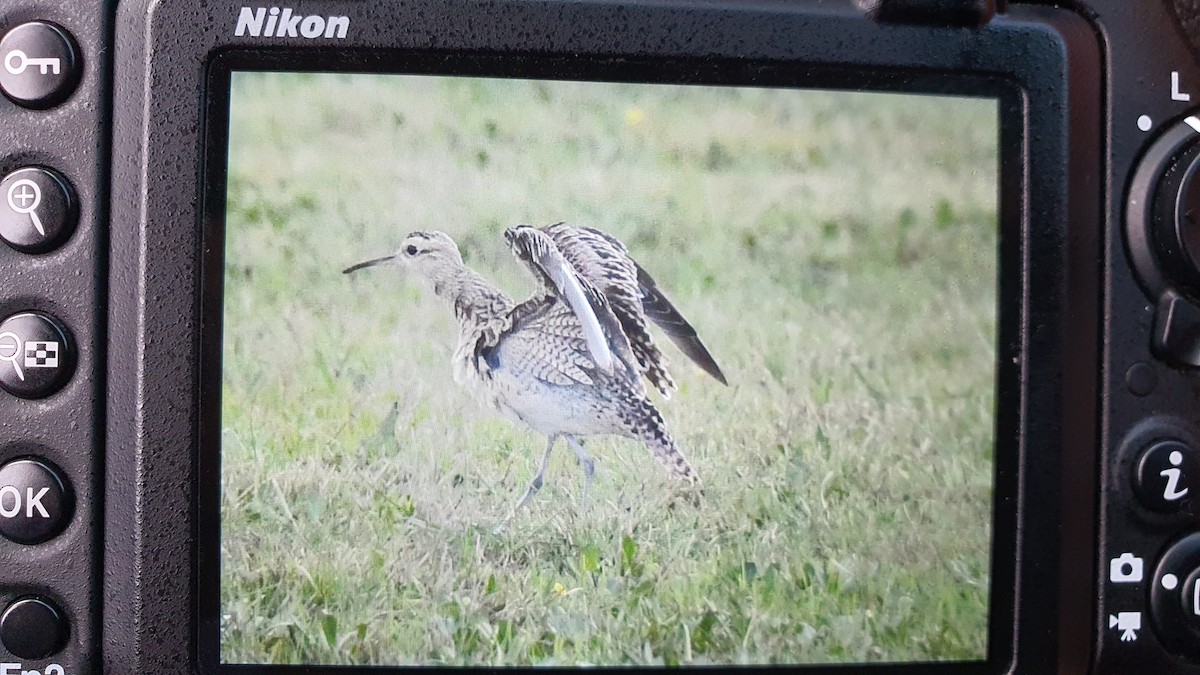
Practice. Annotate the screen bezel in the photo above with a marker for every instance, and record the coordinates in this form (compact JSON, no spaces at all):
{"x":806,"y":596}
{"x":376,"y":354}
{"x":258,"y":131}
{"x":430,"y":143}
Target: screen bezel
{"x":152,"y":471}
{"x":1010,"y":111}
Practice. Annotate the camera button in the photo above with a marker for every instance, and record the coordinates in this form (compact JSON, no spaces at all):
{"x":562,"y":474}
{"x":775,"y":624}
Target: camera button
{"x":1167,"y":477}
{"x":38,"y":210}
{"x":37,"y":355}
{"x":39,"y":65}
{"x":35,"y":502}
{"x":32,"y":628}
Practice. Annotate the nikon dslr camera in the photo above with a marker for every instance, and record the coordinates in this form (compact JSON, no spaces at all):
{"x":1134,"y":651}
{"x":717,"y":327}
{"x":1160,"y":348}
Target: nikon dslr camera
{"x":343,"y":337}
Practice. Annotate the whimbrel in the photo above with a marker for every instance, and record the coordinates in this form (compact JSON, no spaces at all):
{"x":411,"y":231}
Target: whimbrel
{"x":568,"y":361}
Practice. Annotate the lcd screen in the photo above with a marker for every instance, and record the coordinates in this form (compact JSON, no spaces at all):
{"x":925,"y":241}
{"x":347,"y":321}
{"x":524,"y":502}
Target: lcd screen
{"x":531,"y":372}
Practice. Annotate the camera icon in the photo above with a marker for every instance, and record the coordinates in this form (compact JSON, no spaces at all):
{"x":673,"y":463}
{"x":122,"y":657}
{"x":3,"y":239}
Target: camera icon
{"x":1125,"y":569}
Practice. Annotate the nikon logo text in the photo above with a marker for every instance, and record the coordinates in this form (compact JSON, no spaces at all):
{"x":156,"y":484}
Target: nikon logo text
{"x":263,"y":22}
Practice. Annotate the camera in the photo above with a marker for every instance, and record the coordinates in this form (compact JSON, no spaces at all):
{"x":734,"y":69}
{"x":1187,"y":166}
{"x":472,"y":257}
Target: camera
{"x":340,"y":336}
{"x":1126,"y":569}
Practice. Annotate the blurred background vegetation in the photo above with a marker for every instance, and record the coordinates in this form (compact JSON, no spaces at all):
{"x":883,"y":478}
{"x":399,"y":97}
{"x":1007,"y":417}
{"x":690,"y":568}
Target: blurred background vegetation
{"x":837,"y":253}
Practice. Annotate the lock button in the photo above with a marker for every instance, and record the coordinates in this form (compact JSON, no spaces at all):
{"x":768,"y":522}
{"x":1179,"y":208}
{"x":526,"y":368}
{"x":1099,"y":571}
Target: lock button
{"x":39,"y":65}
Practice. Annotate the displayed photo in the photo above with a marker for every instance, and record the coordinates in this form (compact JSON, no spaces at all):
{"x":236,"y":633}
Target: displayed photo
{"x":565,"y":373}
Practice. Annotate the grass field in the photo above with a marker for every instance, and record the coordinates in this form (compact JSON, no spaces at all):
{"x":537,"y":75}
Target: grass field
{"x":836,"y":251}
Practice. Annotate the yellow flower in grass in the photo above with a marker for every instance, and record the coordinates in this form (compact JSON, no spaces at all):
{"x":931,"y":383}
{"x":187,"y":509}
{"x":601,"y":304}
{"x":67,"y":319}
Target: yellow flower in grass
{"x":562,"y":591}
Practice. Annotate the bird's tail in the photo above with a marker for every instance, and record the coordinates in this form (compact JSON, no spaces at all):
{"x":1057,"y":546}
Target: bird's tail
{"x":648,"y":427}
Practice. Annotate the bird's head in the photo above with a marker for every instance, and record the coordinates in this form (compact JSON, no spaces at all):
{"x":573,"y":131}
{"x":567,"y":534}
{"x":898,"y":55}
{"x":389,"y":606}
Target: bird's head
{"x":431,"y":255}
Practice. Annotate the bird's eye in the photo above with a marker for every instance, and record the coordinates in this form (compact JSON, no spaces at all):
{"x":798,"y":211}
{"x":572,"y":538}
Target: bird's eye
{"x":411,"y":250}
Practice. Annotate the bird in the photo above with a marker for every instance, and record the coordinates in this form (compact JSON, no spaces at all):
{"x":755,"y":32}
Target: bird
{"x":569,"y":361}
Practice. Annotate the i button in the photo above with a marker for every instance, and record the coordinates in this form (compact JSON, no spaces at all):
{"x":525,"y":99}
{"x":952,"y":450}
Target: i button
{"x":1167,"y":477}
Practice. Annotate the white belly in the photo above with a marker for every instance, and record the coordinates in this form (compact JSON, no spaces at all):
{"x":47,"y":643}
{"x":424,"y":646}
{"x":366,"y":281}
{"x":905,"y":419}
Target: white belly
{"x":549,"y":408}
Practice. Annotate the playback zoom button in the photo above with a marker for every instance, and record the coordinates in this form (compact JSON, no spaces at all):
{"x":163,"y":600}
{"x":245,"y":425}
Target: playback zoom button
{"x":37,"y":355}
{"x":38,"y":210}
{"x":36,"y":503}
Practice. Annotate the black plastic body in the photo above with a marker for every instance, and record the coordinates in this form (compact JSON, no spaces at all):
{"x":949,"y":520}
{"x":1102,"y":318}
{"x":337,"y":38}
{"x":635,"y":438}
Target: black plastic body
{"x":934,"y":12}
{"x":67,"y":429}
{"x":134,"y":567}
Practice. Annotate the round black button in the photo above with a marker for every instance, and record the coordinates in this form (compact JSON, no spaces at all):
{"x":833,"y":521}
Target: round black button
{"x":1174,"y":602}
{"x":1141,"y":379}
{"x":1167,"y":478}
{"x":35,"y":502}
{"x":37,"y":356}
{"x":1189,"y":598}
{"x":32,"y":628}
{"x":38,"y":210}
{"x":39,"y":65}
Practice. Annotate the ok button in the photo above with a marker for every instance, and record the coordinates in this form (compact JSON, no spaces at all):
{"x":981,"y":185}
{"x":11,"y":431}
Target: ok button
{"x":35,"y":502}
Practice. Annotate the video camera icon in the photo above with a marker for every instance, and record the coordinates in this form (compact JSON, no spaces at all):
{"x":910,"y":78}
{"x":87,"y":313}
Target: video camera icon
{"x":1127,"y":624}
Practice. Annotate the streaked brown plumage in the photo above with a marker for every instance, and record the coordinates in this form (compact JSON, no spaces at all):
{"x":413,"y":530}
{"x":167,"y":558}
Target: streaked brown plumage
{"x":569,"y":360}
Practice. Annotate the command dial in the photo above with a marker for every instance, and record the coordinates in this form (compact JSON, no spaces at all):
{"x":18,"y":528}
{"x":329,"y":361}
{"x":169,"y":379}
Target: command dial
{"x":1176,"y":220}
{"x":1162,"y":232}
{"x":1163,"y":260}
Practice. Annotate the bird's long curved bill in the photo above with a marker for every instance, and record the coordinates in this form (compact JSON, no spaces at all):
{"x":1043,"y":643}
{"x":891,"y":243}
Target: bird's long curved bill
{"x":369,"y":263}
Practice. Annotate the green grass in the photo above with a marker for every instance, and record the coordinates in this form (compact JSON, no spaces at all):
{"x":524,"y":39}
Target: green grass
{"x":836,"y":252}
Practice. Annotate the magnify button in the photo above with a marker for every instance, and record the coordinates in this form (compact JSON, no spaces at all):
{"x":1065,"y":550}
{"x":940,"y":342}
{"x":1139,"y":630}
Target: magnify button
{"x":24,"y":197}
{"x":38,"y":209}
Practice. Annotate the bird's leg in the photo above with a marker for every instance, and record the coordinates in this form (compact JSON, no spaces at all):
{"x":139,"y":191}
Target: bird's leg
{"x":585,"y":461}
{"x":537,"y":480}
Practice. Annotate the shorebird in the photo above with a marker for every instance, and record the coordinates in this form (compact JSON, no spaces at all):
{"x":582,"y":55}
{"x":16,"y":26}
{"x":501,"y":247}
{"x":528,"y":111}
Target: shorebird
{"x":568,"y":361}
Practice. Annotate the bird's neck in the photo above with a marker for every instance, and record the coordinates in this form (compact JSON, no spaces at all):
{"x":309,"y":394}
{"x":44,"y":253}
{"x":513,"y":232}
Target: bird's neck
{"x":472,"y":296}
{"x":460,"y":282}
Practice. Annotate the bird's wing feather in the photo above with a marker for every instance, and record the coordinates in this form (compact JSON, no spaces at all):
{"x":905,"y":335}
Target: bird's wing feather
{"x":667,"y":317}
{"x":596,"y":320}
{"x":606,"y":264}
{"x":546,"y":342}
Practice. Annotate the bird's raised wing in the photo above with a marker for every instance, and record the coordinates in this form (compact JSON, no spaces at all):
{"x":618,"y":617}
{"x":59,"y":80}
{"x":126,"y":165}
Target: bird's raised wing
{"x":605,"y":263}
{"x":607,"y":345}
{"x":545,"y":341}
